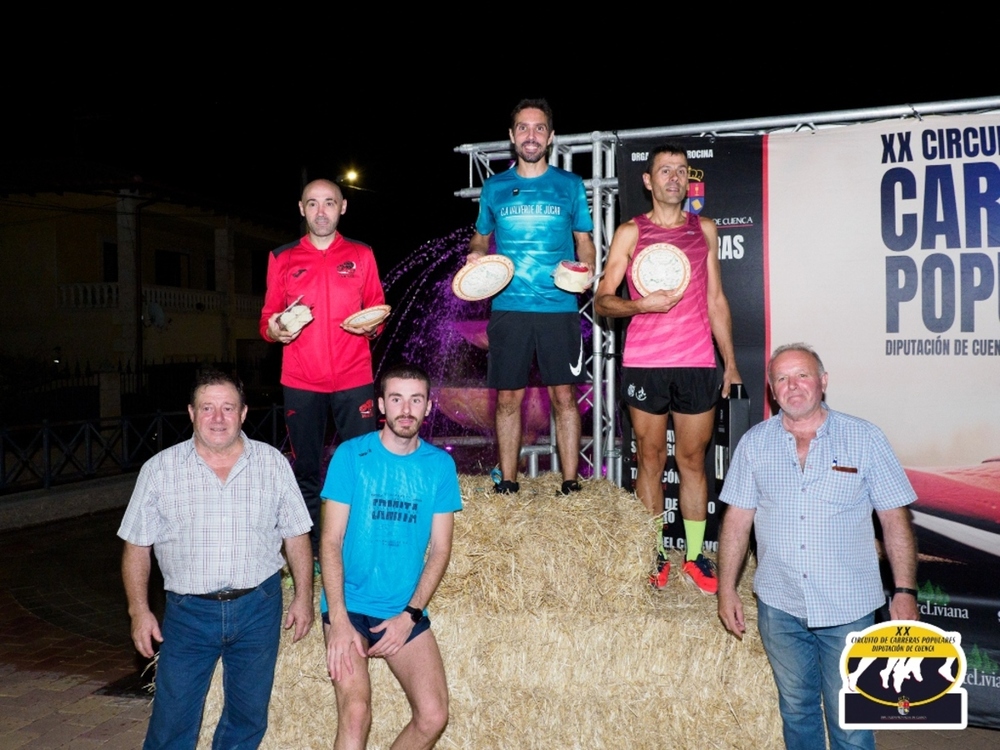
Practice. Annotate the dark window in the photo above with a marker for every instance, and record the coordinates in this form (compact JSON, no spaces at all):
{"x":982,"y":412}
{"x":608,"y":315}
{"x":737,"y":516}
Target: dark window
{"x":258,"y":272}
{"x":172,"y":269}
{"x":110,"y":251}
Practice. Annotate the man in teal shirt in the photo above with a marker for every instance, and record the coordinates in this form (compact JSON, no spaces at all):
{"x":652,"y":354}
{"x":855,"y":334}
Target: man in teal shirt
{"x":539,"y":217}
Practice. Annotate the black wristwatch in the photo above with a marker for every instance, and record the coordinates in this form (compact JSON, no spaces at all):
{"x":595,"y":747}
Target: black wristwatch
{"x":904,"y":590}
{"x":416,"y":614}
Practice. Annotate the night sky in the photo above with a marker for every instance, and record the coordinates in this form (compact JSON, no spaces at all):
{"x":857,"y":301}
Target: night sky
{"x":248,"y":152}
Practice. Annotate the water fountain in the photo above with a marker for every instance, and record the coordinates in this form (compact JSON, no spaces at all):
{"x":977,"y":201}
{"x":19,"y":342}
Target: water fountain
{"x":430,"y":326}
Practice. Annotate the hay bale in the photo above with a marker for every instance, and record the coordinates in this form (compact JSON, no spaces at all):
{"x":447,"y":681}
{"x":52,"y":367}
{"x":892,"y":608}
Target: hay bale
{"x":552,"y":639}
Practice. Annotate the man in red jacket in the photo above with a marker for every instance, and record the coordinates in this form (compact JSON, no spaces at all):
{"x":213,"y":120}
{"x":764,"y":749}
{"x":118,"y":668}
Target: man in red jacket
{"x":326,"y":365}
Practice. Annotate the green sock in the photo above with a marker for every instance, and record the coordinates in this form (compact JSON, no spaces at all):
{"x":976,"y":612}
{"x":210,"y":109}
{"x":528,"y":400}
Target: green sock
{"x":694,"y":534}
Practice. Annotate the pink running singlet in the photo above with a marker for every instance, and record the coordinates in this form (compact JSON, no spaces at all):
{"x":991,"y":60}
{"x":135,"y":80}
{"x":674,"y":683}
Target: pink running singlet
{"x":683,"y":336}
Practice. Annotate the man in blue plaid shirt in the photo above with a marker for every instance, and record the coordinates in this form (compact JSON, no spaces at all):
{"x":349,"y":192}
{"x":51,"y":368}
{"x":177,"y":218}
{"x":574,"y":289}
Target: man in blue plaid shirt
{"x":809,"y":478}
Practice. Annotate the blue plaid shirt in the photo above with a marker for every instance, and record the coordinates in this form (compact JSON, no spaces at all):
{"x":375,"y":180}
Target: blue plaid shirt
{"x":210,"y":535}
{"x":815,"y":539}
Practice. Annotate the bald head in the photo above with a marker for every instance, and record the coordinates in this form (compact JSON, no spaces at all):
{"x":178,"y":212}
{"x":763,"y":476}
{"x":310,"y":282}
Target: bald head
{"x":333,"y":186}
{"x":322,"y":205}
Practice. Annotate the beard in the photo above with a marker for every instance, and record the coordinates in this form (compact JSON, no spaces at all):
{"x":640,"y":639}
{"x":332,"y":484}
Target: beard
{"x":408,"y":430}
{"x":531,"y":158}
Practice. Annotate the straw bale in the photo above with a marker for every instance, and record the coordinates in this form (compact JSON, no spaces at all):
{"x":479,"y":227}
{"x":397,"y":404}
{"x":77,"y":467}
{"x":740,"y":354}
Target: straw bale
{"x":552,"y":639}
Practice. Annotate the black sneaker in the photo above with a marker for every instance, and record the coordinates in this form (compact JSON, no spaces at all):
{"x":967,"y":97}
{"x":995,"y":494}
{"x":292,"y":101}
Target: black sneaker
{"x":570,"y":485}
{"x":506,"y":487}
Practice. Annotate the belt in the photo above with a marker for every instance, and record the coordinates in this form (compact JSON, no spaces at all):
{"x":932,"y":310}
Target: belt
{"x":226,"y":595}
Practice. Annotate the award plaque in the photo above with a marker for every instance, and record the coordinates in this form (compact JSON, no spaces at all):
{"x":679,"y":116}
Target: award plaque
{"x":482,"y":279}
{"x":370,"y":316}
{"x":661,"y":266}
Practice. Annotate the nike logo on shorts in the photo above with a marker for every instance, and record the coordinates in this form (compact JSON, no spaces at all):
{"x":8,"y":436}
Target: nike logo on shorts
{"x":579,"y":363}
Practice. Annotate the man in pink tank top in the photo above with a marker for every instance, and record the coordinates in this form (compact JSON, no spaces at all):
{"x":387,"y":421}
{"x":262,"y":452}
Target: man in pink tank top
{"x":669,"y":363}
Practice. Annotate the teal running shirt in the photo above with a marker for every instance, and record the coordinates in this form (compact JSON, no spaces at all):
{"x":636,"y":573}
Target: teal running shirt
{"x":534,"y":220}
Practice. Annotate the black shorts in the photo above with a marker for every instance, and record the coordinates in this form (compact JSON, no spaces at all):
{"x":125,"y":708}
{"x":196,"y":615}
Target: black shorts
{"x":517,"y":337}
{"x":364,"y":623}
{"x":680,"y":390}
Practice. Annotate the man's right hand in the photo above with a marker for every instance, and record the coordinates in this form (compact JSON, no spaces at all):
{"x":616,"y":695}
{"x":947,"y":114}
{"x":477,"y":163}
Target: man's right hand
{"x":660,"y":301}
{"x":341,"y":638}
{"x":145,"y":629}
{"x":474,"y":257}
{"x":731,"y":612}
{"x":276,"y":332}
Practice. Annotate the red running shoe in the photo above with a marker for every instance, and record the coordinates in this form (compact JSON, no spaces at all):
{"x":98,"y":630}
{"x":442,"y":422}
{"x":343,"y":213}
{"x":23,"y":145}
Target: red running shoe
{"x":658,"y":579}
{"x":701,"y":573}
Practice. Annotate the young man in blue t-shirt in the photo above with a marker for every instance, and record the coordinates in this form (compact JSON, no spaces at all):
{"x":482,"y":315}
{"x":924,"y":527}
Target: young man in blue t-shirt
{"x":390,"y":500}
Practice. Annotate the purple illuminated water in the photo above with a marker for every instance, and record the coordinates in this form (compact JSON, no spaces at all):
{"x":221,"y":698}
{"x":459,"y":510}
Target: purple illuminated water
{"x":422,"y":327}
{"x":445,"y":335}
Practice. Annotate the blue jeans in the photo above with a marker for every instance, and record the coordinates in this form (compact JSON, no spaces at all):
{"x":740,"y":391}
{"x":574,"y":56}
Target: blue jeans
{"x":806,"y":665}
{"x":196,"y":633}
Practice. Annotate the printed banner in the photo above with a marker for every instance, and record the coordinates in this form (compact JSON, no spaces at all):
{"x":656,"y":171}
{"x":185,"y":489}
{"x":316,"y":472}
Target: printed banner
{"x":884,"y":242}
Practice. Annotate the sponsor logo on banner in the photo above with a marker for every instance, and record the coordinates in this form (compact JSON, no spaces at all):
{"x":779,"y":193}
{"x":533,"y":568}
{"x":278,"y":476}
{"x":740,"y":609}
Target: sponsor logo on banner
{"x":734,"y":221}
{"x":903,"y":674}
{"x":691,"y":153}
{"x":982,"y":670}
{"x":696,"y":190}
{"x":731,"y":245}
{"x":934,"y":602}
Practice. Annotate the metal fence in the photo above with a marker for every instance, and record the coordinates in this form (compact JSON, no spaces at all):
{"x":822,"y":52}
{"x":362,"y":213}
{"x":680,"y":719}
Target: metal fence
{"x":40,"y":456}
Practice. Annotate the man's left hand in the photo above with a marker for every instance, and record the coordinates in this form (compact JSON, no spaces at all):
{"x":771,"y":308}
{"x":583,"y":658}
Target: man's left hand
{"x":904,"y":607}
{"x":396,"y":630}
{"x":300,"y":614}
{"x":730,"y":377}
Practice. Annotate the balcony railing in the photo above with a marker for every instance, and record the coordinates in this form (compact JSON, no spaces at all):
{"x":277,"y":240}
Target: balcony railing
{"x":40,"y":456}
{"x":101,"y":295}
{"x":83,"y":296}
{"x":249,"y":305}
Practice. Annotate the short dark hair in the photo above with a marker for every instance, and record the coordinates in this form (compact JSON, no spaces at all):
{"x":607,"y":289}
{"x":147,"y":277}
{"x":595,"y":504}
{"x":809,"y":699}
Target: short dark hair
{"x":664,"y":148}
{"x":532,"y":104}
{"x":214,"y":376}
{"x":404,"y":371}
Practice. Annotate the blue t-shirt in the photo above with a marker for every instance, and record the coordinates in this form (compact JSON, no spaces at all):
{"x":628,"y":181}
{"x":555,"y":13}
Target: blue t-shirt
{"x":393,"y":500}
{"x":534,"y":220}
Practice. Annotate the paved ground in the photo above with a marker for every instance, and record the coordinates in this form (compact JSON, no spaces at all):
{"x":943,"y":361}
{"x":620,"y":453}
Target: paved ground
{"x":64,"y":637}
{"x":69,"y":677}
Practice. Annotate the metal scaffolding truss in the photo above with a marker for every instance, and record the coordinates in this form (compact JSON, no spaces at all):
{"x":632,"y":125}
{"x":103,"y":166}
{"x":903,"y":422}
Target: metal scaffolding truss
{"x":602,"y":451}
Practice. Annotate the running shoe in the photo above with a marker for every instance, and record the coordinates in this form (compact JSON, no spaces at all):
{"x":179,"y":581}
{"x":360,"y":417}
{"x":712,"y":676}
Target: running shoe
{"x":658,"y":579}
{"x":701,"y":572}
